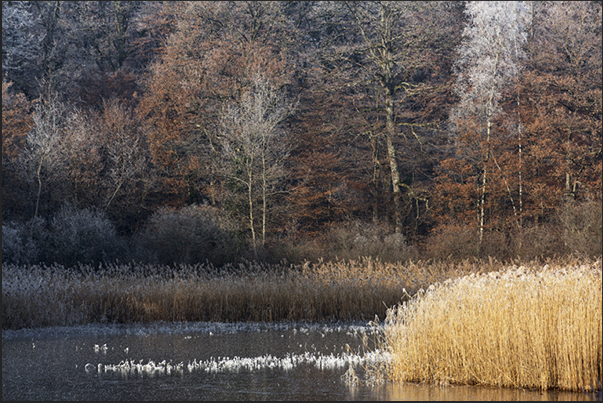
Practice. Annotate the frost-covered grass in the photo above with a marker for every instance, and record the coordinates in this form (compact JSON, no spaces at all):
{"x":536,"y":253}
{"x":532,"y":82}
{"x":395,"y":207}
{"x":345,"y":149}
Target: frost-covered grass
{"x":38,"y":295}
{"x":529,"y":326}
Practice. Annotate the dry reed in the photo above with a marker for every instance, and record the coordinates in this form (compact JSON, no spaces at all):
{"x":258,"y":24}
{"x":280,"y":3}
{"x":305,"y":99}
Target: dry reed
{"x":531,"y":326}
{"x":53,"y":295}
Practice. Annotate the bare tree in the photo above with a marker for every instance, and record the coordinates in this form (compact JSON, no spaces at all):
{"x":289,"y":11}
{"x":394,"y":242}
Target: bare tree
{"x":489,"y":59}
{"x":83,"y":161}
{"x":385,"y":51}
{"x":572,"y":30}
{"x":255,"y":147}
{"x":126,"y":159}
{"x":105,"y":28}
{"x":380,"y":51}
{"x":45,"y":144}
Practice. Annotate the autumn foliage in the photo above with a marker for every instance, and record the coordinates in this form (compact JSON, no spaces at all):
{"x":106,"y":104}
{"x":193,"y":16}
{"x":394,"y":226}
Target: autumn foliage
{"x":409,"y":125}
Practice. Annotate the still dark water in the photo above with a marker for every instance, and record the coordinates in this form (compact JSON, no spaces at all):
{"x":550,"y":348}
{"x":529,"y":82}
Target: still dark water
{"x":212,"y":361}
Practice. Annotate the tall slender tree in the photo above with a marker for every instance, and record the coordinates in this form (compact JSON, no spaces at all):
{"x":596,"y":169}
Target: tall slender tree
{"x":384,"y":58}
{"x":45,"y":156}
{"x":489,"y":59}
{"x":255,"y":148}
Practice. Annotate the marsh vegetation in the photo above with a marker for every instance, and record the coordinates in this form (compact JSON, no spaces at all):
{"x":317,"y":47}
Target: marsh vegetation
{"x":54,"y":295}
{"x":528,"y":326}
{"x":531,"y":325}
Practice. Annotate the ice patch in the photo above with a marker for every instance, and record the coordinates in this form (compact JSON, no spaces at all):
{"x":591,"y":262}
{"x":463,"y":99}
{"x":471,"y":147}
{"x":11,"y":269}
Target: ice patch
{"x":351,"y":328}
{"x":236,"y":364}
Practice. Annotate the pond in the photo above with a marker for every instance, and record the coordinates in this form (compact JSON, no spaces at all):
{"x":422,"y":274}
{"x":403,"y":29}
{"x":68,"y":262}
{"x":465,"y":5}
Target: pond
{"x":212,"y":361}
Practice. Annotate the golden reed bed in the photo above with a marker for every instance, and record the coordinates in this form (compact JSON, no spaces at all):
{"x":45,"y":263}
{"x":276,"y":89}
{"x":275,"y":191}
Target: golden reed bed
{"x":535,"y":326}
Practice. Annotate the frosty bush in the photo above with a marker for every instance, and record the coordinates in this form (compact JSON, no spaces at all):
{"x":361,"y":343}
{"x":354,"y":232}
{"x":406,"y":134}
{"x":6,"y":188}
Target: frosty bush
{"x":580,"y":224}
{"x":82,"y":236}
{"x":72,"y":236}
{"x":356,"y":239}
{"x":21,"y":242}
{"x":192,"y":234}
{"x":12,"y":245}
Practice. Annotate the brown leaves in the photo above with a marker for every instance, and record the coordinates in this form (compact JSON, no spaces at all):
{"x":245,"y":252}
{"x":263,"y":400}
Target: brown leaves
{"x":16,"y":121}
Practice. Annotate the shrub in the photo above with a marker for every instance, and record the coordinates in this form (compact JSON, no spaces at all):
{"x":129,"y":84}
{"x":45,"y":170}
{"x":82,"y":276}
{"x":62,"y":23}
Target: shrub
{"x":355,"y":239}
{"x":350,"y":240}
{"x":72,"y":236}
{"x":580,"y":224}
{"x":496,"y":245}
{"x":193,"y":234}
{"x":536,"y":241}
{"x":459,"y":242}
{"x":12,"y":243}
{"x":25,"y":243}
{"x":453,"y":241}
{"x":82,"y":236}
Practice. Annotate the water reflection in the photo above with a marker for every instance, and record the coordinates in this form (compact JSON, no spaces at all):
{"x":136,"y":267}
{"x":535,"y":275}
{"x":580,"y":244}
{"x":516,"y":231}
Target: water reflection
{"x":423,"y":392}
{"x":203,"y":361}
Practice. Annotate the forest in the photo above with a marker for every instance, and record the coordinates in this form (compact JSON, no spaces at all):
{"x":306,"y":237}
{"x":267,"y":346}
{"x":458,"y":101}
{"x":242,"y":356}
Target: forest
{"x":187,"y":132}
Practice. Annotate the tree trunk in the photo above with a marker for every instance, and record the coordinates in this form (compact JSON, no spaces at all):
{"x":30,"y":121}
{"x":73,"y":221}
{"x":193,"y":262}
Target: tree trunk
{"x":251,"y":218}
{"x":489,"y":116}
{"x":38,"y":173}
{"x":482,"y":211}
{"x":264,"y":196}
{"x":482,"y":214}
{"x":393,"y":163}
{"x":568,"y":164}
{"x":375,"y":184}
{"x":382,"y":54}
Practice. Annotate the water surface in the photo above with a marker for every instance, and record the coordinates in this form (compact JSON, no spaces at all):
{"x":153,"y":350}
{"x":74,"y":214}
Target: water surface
{"x":212,"y":361}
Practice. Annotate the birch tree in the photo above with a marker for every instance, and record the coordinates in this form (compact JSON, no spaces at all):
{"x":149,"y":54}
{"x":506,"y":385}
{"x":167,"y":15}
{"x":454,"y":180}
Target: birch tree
{"x":254,"y":149}
{"x":489,"y":59}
